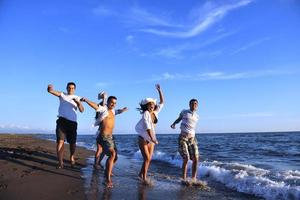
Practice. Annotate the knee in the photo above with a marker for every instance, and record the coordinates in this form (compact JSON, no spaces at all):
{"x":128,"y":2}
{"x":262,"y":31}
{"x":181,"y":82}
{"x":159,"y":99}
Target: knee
{"x":196,"y":159}
{"x":185,"y":160}
{"x":112,"y":153}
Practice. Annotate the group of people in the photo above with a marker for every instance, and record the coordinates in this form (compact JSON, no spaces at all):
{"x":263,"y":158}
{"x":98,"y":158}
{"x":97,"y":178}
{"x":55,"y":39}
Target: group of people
{"x":66,"y":129}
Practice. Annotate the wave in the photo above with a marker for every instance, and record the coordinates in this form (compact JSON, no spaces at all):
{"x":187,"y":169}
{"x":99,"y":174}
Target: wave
{"x":242,"y":177}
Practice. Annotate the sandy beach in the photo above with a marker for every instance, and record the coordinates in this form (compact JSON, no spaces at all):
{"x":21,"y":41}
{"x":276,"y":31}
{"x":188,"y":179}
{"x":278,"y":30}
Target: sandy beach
{"x":28,"y":170}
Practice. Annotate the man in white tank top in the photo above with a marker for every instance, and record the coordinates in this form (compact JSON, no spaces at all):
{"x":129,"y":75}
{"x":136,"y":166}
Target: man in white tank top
{"x":187,"y":142}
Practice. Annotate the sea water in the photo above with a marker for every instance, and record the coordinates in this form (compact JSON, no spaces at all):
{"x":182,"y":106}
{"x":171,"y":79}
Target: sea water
{"x":265,"y":165}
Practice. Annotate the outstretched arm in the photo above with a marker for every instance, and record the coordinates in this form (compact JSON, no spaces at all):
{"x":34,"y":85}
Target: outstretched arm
{"x":161,"y":96}
{"x":51,"y":90}
{"x":90,"y":103}
{"x":176,"y":122}
{"x":122,"y":110}
{"x":79,"y":105}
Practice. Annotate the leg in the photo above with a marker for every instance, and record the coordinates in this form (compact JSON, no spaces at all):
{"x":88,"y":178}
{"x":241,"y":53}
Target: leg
{"x":60,"y":153}
{"x":195,"y":168}
{"x":184,"y":168}
{"x":146,"y":156}
{"x":109,"y":167}
{"x":97,"y":155}
{"x":183,"y":151}
{"x":195,"y":155}
{"x":72,"y":152}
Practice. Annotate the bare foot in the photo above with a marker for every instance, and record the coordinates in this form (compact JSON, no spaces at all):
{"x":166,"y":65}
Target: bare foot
{"x":60,"y":166}
{"x":73,"y":163}
{"x":186,"y":182}
{"x":97,"y":167}
{"x":108,"y":184}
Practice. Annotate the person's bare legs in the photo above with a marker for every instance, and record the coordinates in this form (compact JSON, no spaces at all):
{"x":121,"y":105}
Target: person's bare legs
{"x":72,"y":152}
{"x":184,"y":168}
{"x":60,"y":153}
{"x":97,"y":156}
{"x":147,"y":151}
{"x":195,"y":168}
{"x":109,"y":167}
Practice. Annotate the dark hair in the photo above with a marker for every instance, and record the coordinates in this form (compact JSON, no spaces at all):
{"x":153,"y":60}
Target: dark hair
{"x":111,"y":97}
{"x":193,"y":100}
{"x":143,"y":108}
{"x":71,"y":83}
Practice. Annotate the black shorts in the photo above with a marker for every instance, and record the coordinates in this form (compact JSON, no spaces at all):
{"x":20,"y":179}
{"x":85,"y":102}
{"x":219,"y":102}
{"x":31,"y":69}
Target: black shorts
{"x":66,"y":129}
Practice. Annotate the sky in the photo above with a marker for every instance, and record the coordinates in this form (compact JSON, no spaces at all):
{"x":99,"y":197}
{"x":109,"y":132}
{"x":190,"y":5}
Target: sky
{"x":239,"y":58}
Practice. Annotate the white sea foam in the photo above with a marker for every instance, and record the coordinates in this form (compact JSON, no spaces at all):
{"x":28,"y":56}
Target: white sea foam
{"x":259,"y":185}
{"x":242,"y":177}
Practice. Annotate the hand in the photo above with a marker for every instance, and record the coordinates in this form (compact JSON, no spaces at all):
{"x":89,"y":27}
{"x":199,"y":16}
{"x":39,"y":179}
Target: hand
{"x":155,"y":141}
{"x":157,"y":87}
{"x":173,"y":126}
{"x":83,"y":99}
{"x":103,"y":95}
{"x":124,"y":109}
{"x":50,"y":87}
{"x":76,"y":101}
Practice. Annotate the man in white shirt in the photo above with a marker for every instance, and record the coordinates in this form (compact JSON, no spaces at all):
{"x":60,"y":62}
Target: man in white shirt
{"x":66,"y":124}
{"x":187,"y":142}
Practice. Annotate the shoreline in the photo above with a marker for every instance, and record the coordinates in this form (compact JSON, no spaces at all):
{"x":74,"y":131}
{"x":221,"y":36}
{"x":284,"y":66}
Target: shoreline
{"x":28,"y":169}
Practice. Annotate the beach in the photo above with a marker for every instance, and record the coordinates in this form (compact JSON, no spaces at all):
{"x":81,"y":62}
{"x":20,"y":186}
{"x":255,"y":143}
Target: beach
{"x":28,"y":170}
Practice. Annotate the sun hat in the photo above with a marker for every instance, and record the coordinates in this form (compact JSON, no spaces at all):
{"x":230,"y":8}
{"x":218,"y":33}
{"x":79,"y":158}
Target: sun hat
{"x":148,"y":100}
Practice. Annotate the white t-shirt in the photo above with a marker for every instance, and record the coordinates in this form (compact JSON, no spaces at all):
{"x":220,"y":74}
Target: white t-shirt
{"x":146,"y":123}
{"x":103,"y":112}
{"x":67,"y":106}
{"x":189,"y":122}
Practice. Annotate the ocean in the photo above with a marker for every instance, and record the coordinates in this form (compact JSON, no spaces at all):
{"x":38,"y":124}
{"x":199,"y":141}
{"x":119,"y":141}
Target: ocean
{"x":262,"y":165}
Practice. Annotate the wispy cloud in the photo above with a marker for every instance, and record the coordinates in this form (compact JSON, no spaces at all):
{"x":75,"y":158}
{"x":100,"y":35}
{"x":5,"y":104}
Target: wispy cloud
{"x":217,"y":75}
{"x":13,"y":126}
{"x":142,"y":17}
{"x":129,"y":39}
{"x":251,"y":44}
{"x":177,"y":51}
{"x":103,"y":11}
{"x":242,"y":115}
{"x":103,"y":84}
{"x":210,"y":18}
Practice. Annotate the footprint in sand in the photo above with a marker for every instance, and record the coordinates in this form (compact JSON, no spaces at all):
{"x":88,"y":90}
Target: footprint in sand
{"x":3,"y":186}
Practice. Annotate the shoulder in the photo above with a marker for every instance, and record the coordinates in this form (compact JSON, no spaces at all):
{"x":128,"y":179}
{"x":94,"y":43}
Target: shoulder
{"x":101,"y":108}
{"x":184,"y":111}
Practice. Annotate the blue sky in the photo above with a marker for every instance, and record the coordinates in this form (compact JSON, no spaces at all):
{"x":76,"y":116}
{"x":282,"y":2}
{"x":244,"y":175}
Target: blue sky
{"x":239,"y":58}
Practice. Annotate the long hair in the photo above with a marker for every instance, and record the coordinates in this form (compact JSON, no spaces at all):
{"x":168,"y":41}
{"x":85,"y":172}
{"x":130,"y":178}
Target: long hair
{"x":143,"y":108}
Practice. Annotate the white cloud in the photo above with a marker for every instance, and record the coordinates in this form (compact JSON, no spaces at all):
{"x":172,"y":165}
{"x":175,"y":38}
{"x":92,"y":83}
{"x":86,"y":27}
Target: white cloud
{"x":242,"y":115}
{"x":14,"y":126}
{"x":129,"y":38}
{"x":102,"y":11}
{"x":177,"y":51}
{"x":210,"y":18}
{"x":102,"y":84}
{"x":217,"y":75}
{"x":143,"y":17}
{"x":249,"y":45}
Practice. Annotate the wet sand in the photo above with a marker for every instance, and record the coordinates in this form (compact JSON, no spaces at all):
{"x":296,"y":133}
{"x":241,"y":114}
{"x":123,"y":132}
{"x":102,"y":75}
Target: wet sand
{"x":28,"y":170}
